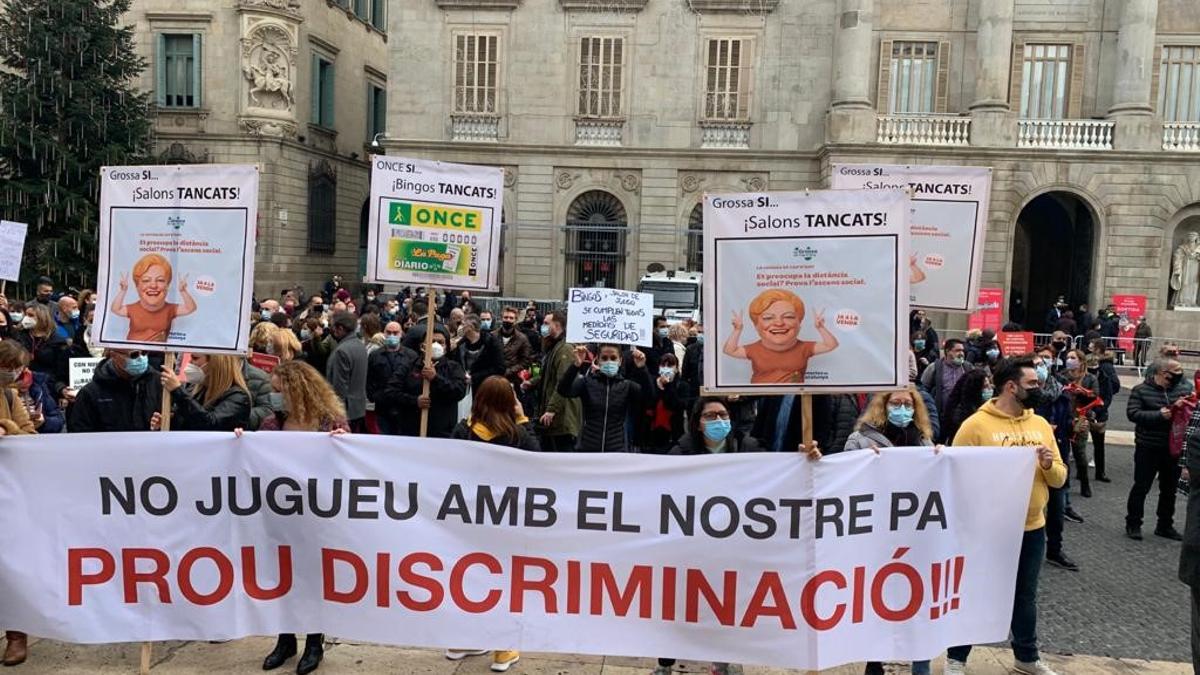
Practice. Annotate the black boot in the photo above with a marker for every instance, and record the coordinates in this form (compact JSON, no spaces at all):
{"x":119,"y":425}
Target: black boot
{"x":314,"y":651}
{"x":1079,"y":452}
{"x":1098,"y":454}
{"x":285,"y":648}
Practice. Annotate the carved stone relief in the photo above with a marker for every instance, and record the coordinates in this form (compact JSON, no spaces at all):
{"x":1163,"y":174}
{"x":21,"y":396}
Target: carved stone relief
{"x":268,"y":64}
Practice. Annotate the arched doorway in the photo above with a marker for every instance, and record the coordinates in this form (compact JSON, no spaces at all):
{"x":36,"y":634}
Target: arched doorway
{"x":1053,"y":252}
{"x":695,"y":240}
{"x":595,"y":233}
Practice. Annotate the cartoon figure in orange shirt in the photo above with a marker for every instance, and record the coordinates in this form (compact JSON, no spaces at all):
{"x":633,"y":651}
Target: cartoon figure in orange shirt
{"x":916,"y":274}
{"x":778,"y":357}
{"x":151,"y":316}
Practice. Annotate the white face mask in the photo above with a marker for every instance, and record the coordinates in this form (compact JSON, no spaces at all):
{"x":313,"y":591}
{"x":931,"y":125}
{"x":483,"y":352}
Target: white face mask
{"x":193,"y":374}
{"x":28,"y":322}
{"x":437,"y":351}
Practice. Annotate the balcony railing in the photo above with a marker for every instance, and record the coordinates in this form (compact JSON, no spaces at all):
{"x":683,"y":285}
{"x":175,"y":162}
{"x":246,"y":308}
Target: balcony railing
{"x":598,"y":132}
{"x":1065,"y":134}
{"x":718,"y":134}
{"x":475,"y":127}
{"x":924,"y":130}
{"x":1181,"y":136}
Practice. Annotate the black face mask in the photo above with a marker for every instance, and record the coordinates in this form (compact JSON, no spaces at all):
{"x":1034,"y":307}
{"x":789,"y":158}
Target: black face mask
{"x":507,"y":326}
{"x":1032,"y":398}
{"x":1060,"y":346}
{"x":1173,"y":380}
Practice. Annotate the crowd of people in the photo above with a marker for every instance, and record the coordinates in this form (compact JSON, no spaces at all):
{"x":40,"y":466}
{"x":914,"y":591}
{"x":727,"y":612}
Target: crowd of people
{"x":357,"y":363}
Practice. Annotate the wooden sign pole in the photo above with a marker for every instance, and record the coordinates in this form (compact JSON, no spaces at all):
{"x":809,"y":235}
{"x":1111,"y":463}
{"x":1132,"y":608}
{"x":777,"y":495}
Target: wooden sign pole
{"x":165,"y":413}
{"x":428,"y":364}
{"x":806,"y":420}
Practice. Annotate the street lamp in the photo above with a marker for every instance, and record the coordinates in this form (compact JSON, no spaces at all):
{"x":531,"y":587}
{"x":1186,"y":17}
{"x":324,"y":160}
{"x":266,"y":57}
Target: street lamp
{"x":375,"y":144}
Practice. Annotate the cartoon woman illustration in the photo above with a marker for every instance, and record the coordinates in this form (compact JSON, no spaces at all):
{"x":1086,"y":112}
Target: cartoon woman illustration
{"x":151,"y":316}
{"x":916,"y":274}
{"x":778,"y":357}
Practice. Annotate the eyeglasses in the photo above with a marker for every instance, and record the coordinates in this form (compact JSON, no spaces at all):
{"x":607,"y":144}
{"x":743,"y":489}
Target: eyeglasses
{"x":713,"y":416}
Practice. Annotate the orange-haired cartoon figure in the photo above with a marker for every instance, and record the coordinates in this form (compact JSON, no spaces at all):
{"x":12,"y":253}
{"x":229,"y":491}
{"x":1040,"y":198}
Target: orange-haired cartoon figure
{"x":151,"y":316}
{"x":778,"y":357}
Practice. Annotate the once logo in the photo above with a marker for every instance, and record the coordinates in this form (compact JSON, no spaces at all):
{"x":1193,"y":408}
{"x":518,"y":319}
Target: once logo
{"x":434,"y":215}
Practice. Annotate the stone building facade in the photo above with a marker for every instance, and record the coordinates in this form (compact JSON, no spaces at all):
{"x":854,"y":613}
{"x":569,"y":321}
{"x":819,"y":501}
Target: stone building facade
{"x":296,"y":86}
{"x":613,"y":117}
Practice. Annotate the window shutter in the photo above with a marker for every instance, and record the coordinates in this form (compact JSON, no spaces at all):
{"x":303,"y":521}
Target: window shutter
{"x":316,"y":89}
{"x":197,"y":68}
{"x":883,"y":98}
{"x":1078,"y":68}
{"x":941,"y":101}
{"x":381,"y":112}
{"x":370,"y":111}
{"x":1155,"y":77}
{"x":1015,"y":76}
{"x":160,"y":69}
{"x":327,"y":106}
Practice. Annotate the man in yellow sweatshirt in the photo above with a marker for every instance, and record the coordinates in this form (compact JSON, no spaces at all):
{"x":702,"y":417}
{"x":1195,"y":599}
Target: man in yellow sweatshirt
{"x":1008,"y":420}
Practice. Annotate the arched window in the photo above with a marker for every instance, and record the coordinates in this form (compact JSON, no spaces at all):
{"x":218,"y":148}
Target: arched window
{"x":595,"y":235}
{"x":695,"y":240}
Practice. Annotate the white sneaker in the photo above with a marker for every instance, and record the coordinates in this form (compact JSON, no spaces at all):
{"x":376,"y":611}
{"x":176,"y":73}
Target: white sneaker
{"x":955,"y":667}
{"x":460,"y":654}
{"x":1038,"y":667}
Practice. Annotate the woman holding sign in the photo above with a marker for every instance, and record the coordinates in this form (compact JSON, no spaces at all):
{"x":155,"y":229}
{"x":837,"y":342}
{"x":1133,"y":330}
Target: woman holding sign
{"x":151,"y":316}
{"x":778,"y":357}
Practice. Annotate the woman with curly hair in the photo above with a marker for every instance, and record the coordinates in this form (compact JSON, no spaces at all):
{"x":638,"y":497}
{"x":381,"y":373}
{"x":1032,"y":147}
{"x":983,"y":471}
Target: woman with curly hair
{"x":262,"y":337}
{"x":303,"y":401}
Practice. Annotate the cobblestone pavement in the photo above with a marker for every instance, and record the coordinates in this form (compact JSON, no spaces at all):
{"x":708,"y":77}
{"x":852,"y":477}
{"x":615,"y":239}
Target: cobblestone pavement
{"x":1126,"y":601}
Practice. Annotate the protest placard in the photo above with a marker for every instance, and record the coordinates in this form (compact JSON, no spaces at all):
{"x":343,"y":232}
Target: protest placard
{"x":607,"y":315}
{"x":80,"y":371}
{"x":434,"y":223}
{"x":817,"y":282}
{"x":949,"y":225}
{"x":989,"y":314}
{"x":264,"y":362}
{"x":177,"y":257}
{"x":423,"y":541}
{"x":12,"y":249}
{"x":1015,"y":343}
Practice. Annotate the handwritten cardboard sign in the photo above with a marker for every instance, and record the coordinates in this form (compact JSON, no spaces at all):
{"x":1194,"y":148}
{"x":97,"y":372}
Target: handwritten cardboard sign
{"x":608,"y":315}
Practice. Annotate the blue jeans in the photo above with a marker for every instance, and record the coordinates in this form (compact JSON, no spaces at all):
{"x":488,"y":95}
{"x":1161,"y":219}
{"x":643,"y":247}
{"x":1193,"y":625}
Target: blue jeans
{"x":1024,"y":616}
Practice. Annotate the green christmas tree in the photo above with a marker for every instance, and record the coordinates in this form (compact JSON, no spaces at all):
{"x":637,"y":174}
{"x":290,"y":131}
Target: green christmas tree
{"x":68,"y":106}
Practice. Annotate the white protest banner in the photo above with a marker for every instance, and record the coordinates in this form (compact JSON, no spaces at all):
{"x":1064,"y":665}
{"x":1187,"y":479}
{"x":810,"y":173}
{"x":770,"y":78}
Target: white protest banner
{"x":81,"y":371}
{"x":804,"y":292}
{"x":439,"y":543}
{"x":949,"y":226}
{"x":12,"y":249}
{"x":607,"y":315}
{"x":434,"y":223}
{"x":177,"y":257}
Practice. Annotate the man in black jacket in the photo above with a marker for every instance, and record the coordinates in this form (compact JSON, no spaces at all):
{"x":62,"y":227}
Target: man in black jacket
{"x":447,"y":386}
{"x":123,"y":395}
{"x":1150,"y":407}
{"x":383,"y":363}
{"x":779,"y":425}
{"x":479,"y":352}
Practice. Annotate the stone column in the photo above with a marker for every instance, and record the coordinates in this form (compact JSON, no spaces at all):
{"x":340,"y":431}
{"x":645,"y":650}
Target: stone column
{"x":851,"y":114}
{"x":1131,"y":106}
{"x":992,"y":123}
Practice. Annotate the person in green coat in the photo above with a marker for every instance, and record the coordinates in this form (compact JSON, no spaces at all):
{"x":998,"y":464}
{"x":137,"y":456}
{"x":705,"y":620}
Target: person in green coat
{"x":559,"y":416}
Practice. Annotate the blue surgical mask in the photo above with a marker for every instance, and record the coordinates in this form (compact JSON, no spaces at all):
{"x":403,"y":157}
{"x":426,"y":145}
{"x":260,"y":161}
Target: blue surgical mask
{"x":266,"y":315}
{"x":700,"y":338}
{"x":662,"y":332}
{"x":74,"y":315}
{"x":305,"y":334}
{"x":545,"y":330}
{"x":959,"y":360}
{"x":486,"y":324}
{"x":610,"y":368}
{"x":900,"y":415}
{"x":717,"y":430}
{"x":15,"y":317}
{"x":993,"y":353}
{"x":137,"y":367}
{"x":667,"y":372}
{"x":276,"y":401}
{"x":392,"y":341}
{"x":987,"y":394}
{"x":919,"y":345}
{"x":1042,"y":372}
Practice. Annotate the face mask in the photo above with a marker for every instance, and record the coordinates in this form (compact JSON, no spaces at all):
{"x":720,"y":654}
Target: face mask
{"x":392,"y":341}
{"x":1059,"y":345}
{"x":1042,"y":372}
{"x":919,"y":345}
{"x":28,"y":322}
{"x":305,"y":334}
{"x":16,"y":317}
{"x":959,"y":360}
{"x":507,"y":326}
{"x":485,"y":325}
{"x":993,"y":353}
{"x":74,"y":315}
{"x":1072,"y":364}
{"x":266,"y":315}
{"x":276,"y":401}
{"x":270,"y":348}
{"x":666,"y":372}
{"x":717,"y":430}
{"x":324,"y":323}
{"x":437,"y":350}
{"x":7,"y":377}
{"x":986,"y":395}
{"x":544,"y":330}
{"x":193,"y":374}
{"x":1173,"y":379}
{"x":370,"y":298}
{"x":700,"y":338}
{"x":137,"y":367}
{"x":900,"y":415}
{"x":610,"y":368}
{"x":662,"y":332}
{"x":1032,"y":398}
